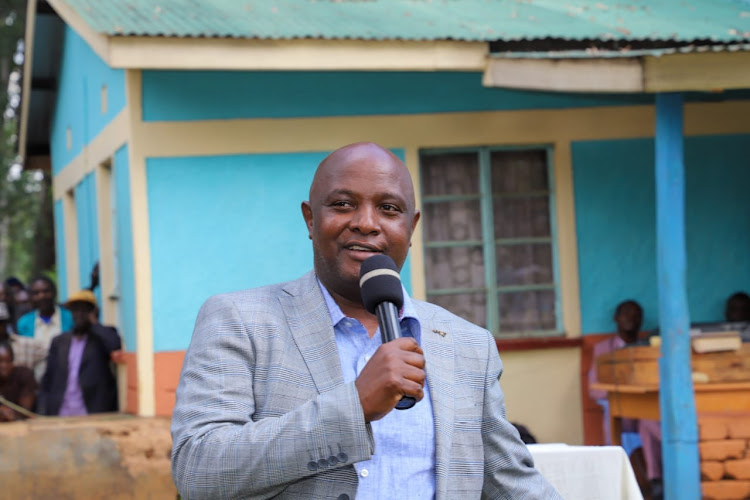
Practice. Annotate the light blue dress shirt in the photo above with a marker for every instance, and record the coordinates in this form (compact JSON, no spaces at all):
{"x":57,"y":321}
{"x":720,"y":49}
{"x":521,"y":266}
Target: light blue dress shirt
{"x":403,"y":465}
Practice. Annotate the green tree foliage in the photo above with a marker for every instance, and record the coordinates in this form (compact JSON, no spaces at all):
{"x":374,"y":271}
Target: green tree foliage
{"x":25,"y":196}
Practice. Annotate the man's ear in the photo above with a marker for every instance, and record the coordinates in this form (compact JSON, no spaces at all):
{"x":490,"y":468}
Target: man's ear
{"x":308,"y":216}
{"x":417,"y":213}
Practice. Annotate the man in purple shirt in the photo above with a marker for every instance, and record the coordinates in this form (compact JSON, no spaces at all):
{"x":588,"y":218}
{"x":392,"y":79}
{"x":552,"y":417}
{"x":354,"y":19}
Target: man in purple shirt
{"x":79,"y":379}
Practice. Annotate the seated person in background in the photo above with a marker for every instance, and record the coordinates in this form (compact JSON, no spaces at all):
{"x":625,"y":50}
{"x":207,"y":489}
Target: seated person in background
{"x":26,"y":351}
{"x":629,"y":318}
{"x":17,"y":385}
{"x":79,"y":379}
{"x":738,"y":308}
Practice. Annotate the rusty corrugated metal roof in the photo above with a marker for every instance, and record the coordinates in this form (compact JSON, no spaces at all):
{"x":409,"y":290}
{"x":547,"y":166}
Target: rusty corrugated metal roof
{"x":720,"y":21}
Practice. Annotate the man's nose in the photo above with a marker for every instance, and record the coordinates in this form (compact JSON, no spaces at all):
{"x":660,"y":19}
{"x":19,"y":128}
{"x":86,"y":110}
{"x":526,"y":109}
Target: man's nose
{"x":365,"y":220}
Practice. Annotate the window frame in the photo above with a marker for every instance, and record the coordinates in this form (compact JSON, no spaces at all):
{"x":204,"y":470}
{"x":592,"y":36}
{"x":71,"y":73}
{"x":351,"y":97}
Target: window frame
{"x":489,"y":243}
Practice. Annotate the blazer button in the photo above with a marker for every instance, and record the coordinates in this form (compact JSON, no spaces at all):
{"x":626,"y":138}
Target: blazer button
{"x":322,"y":462}
{"x":332,"y":460}
{"x":343,"y":457}
{"x":343,"y":497}
{"x":312,"y":465}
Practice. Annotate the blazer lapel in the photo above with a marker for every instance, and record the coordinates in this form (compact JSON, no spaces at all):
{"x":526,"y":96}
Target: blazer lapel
{"x":310,"y":325}
{"x":437,"y":344}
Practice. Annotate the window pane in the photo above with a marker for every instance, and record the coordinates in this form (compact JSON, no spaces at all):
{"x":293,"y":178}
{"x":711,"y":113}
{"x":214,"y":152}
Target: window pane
{"x":524,"y":264}
{"x":457,"y":267}
{"x":470,"y":306}
{"x":450,"y":173}
{"x":452,"y":221}
{"x":527,"y":311}
{"x":521,"y":217}
{"x":519,"y":171}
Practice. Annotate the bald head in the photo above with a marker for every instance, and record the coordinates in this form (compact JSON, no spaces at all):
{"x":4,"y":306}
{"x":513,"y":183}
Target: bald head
{"x":363,"y":154}
{"x":361,"y":204}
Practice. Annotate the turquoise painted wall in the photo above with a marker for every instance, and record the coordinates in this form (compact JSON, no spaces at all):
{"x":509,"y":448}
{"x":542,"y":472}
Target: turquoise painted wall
{"x":616,"y":226}
{"x":123,"y":245}
{"x":216,"y":95}
{"x":62,"y":272}
{"x":205,"y":95}
{"x":224,"y":223}
{"x":88,"y":230}
{"x":78,"y":106}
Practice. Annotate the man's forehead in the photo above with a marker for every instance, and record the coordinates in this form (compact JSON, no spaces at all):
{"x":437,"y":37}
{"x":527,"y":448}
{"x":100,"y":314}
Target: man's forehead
{"x":336,"y":172}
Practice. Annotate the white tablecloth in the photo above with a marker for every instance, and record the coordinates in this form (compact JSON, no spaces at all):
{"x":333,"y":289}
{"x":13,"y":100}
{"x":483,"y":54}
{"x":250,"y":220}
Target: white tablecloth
{"x":587,"y":472}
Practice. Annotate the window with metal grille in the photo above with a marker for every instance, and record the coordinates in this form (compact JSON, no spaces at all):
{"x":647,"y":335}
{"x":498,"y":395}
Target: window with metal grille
{"x":489,"y":238}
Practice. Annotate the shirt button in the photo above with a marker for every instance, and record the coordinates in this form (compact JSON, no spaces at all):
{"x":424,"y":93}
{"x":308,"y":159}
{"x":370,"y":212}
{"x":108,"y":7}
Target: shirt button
{"x":364,"y":473}
{"x":367,"y":357}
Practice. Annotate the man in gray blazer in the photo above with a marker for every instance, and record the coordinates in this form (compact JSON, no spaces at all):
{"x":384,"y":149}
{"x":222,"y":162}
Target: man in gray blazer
{"x":287,"y":391}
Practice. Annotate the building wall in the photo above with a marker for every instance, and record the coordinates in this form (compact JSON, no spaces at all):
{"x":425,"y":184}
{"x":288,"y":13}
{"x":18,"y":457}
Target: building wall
{"x":543,"y":392}
{"x":88,"y":230}
{"x":62,"y":275}
{"x":221,"y":95}
{"x":123,"y":248}
{"x":81,"y":108}
{"x":616,"y":226}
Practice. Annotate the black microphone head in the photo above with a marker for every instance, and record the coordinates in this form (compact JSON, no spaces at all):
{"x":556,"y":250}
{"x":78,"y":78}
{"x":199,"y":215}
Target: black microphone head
{"x":379,"y":281}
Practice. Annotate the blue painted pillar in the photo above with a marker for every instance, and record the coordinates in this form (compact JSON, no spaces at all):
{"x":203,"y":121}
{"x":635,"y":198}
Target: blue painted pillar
{"x":678,"y":421}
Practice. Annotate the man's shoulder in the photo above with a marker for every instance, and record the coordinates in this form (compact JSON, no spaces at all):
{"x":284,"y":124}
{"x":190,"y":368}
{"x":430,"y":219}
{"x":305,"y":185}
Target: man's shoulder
{"x":262,"y":298}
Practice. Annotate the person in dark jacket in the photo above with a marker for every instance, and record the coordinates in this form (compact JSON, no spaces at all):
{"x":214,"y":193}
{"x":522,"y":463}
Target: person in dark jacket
{"x":79,"y":379}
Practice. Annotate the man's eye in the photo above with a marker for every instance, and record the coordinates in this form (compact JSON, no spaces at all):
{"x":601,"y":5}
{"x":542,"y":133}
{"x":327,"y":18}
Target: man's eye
{"x":341,"y":204}
{"x":390,"y":208}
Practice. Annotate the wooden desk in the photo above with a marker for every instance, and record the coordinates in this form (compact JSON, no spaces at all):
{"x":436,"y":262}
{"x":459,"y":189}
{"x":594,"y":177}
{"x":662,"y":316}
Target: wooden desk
{"x":635,"y":401}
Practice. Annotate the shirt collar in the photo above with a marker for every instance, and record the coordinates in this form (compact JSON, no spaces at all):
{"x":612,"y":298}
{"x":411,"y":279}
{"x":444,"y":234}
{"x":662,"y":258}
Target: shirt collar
{"x":406,"y":311}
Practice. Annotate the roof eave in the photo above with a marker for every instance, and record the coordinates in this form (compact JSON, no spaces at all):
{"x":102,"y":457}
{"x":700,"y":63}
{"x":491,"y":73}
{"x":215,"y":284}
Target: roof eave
{"x":628,"y":74}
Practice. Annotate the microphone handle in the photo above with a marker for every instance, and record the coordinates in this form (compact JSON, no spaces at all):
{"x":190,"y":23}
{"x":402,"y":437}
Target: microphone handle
{"x":390,"y":329}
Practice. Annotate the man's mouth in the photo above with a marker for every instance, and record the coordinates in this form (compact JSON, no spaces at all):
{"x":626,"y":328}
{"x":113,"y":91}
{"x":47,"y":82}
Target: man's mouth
{"x":362,"y":247}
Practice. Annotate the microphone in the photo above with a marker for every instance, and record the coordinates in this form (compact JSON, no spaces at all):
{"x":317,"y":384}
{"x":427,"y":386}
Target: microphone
{"x":380,"y":286}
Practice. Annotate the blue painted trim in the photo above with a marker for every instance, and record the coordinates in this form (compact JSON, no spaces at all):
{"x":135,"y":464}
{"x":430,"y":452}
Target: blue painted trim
{"x":676,"y":398}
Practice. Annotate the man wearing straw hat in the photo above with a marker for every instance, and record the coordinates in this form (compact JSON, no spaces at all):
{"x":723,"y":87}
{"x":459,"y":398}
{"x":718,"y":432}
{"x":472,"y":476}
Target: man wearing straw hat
{"x":79,"y":379}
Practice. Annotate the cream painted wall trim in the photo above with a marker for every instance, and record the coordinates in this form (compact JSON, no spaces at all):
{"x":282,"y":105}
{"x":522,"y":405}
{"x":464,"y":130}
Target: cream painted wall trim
{"x":705,"y":71}
{"x":666,"y":73}
{"x":313,"y":55}
{"x":70,"y":228}
{"x":141,"y":248}
{"x":567,"y":243}
{"x":565,"y":75}
{"x":225,"y":137}
{"x":416,"y":252}
{"x":106,"y":248}
{"x":96,"y":153}
{"x":98,"y":42}
{"x":28,"y":64}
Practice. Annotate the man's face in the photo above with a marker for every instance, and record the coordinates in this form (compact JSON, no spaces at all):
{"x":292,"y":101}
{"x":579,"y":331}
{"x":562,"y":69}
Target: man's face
{"x":42,"y":295}
{"x":6,"y":363}
{"x":629,"y":319}
{"x":81,"y":312}
{"x":361,"y":203}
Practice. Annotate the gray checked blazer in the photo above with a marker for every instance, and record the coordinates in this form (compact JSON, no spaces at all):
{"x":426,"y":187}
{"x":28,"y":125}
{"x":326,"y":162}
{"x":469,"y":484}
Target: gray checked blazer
{"x":262,"y":409}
